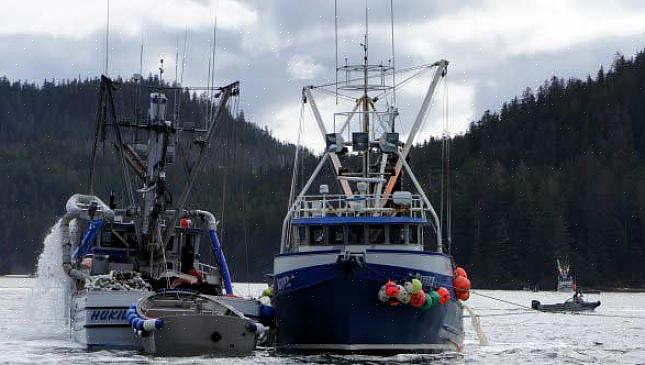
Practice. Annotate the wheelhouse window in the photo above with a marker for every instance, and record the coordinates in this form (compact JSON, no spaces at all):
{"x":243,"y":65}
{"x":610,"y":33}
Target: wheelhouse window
{"x":355,"y":234}
{"x":117,"y":239}
{"x":397,"y":234}
{"x":413,"y":234}
{"x":376,"y":234}
{"x":336,"y":235}
{"x":317,"y":235}
{"x":301,"y":235}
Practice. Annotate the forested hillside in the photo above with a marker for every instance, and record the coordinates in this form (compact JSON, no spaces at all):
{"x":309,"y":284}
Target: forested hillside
{"x":557,"y":172}
{"x":46,"y":135}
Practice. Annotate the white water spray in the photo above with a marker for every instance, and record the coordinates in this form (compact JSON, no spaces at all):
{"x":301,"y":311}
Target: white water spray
{"x":48,"y":303}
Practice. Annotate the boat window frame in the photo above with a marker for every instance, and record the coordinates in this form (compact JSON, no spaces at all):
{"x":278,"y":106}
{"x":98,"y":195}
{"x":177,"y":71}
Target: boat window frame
{"x":369,"y":228}
{"x":332,"y":240}
{"x":408,"y":233}
{"x":312,"y":229}
{"x":362,"y":240}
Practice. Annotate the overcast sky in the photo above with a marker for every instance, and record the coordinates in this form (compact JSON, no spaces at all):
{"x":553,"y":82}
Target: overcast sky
{"x":496,"y":48}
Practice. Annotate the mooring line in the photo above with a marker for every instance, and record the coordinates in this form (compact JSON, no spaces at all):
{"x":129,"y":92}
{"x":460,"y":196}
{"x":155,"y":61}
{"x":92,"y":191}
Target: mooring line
{"x":501,"y":300}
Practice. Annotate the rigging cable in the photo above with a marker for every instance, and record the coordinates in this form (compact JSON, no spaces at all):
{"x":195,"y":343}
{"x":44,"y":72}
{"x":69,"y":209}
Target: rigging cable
{"x":212,"y":81}
{"x":294,"y":174}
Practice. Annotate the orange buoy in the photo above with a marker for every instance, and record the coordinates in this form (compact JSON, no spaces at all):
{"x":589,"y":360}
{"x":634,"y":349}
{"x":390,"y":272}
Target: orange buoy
{"x":459,"y":271}
{"x":462,"y":287}
{"x":463,"y":296}
{"x":444,"y":295}
{"x":461,"y":284}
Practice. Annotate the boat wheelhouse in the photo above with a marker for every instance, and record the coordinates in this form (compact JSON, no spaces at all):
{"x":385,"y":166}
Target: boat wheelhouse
{"x":333,"y":221}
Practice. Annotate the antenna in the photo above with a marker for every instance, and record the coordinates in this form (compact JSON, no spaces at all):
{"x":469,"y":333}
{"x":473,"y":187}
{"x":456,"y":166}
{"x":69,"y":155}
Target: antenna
{"x":107,"y":40}
{"x":141,"y":60}
{"x":393,"y":58}
{"x":212,"y":74}
{"x":183,"y":58}
{"x":177,"y":93}
{"x":177,"y":62}
{"x":214,"y":45}
{"x":336,"y":44}
{"x":160,"y":70}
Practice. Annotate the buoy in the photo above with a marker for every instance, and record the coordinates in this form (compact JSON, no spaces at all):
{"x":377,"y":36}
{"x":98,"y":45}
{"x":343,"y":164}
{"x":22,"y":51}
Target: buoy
{"x":462,"y":287}
{"x":459,"y":271}
{"x":464,"y":296}
{"x":408,"y":286}
{"x":184,"y":223}
{"x":416,"y":285}
{"x":394,"y":302}
{"x":444,"y":295}
{"x":418,"y":299}
{"x":391,"y":290}
{"x":265,"y":300}
{"x":268,"y":292}
{"x":435,"y":297}
{"x":403,"y":295}
{"x":429,"y":302}
{"x":382,"y":295}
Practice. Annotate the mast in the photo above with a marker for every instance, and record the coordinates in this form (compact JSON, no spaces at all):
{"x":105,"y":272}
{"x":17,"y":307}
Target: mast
{"x":365,"y":101}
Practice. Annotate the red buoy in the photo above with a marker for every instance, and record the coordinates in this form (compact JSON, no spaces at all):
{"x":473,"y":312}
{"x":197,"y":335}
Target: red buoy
{"x":391,"y":290}
{"x":418,"y":299}
{"x":459,"y":271}
{"x":444,"y":295}
{"x":464,"y":296}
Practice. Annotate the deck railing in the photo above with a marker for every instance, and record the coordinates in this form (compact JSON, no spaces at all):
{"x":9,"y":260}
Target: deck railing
{"x":358,"y":205}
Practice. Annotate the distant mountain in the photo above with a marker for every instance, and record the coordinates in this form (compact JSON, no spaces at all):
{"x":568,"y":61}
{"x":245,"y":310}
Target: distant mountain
{"x":558,"y":172}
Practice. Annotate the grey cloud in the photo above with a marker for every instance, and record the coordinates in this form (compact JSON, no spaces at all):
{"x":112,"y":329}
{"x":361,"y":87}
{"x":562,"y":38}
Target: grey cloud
{"x":304,"y":28}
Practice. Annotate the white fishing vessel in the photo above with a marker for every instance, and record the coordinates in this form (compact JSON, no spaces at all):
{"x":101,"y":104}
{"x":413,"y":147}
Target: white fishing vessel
{"x":115,"y":255}
{"x":566,"y":282}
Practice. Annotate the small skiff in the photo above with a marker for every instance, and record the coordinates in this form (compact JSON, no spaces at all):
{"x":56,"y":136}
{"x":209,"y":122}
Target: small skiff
{"x":568,"y":306}
{"x":184,"y":323}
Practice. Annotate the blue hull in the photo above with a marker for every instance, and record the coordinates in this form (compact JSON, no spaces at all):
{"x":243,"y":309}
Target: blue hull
{"x":335,"y":307}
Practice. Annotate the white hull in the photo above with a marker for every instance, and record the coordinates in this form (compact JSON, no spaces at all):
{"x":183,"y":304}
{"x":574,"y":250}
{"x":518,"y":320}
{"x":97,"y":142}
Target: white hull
{"x":566,"y":286}
{"x":99,"y":319}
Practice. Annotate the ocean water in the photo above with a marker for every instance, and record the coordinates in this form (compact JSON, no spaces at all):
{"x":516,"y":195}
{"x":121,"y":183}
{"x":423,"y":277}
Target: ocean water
{"x":37,"y":333}
{"x":34,"y":329}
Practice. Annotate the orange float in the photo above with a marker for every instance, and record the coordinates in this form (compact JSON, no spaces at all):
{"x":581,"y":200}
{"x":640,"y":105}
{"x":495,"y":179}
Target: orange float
{"x":444,"y":295}
{"x":461,"y":284}
{"x":459,"y":271}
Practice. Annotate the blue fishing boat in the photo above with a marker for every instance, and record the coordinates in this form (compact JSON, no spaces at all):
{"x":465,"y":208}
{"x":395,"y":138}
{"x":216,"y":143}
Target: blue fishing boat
{"x":363,"y":267}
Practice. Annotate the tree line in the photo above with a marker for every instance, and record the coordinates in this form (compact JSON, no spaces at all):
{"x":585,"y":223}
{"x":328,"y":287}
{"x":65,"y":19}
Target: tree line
{"x":556,"y":172}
